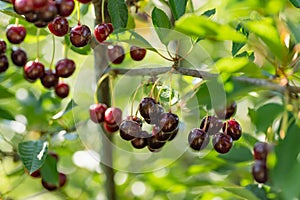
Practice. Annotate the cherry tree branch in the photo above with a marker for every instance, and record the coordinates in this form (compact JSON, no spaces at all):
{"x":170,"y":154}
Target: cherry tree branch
{"x":204,"y":75}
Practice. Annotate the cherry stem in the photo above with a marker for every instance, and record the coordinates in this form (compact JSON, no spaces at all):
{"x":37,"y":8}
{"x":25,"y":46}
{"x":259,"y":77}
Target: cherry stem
{"x":38,"y":43}
{"x":98,"y":86}
{"x":113,"y":101}
{"x":17,"y":21}
{"x":133,"y":98}
{"x":65,"y":50}
{"x":53,"y":51}
{"x":102,"y":12}
{"x":205,"y":123}
{"x":153,"y":87}
{"x":78,"y":11}
{"x":226,"y":125}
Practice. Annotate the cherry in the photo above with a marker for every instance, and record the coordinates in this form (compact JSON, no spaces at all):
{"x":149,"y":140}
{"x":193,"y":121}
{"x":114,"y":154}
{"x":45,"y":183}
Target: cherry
{"x":65,"y":67}
{"x":34,"y":70}
{"x":53,"y":155}
{"x":49,"y":79}
{"x":39,"y":3}
{"x":80,"y":35}
{"x":232,"y":128}
{"x":228,"y":112}
{"x":160,"y":135}
{"x":136,"y":119}
{"x":154,"y":143}
{"x":84,"y":1}
{"x":261,"y":150}
{"x":48,"y":186}
{"x":48,"y":12}
{"x":129,"y":129}
{"x":15,"y":33}
{"x":64,"y":7}
{"x":137,"y":53}
{"x":222,"y":142}
{"x":150,"y":110}
{"x":173,"y":134}
{"x":2,"y":46}
{"x":211,"y":125}
{"x":35,"y":174}
{"x":40,"y":24}
{"x":62,"y":90}
{"x":110,"y":128}
{"x":154,"y":150}
{"x":59,"y":26}
{"x":116,"y":53}
{"x":23,"y":6}
{"x":260,"y":171}
{"x":198,"y":139}
{"x":32,"y":17}
{"x":97,"y":112}
{"x":113,"y":115}
{"x":141,"y":140}
{"x":3,"y":63}
{"x":102,"y":31}
{"x":18,"y":57}
{"x":168,"y":122}
{"x":62,"y":181}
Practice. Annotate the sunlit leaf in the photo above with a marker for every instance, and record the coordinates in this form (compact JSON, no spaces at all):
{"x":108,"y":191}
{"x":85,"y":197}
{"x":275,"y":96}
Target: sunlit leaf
{"x":177,"y":7}
{"x":242,"y":192}
{"x":210,"y":12}
{"x":67,"y":109}
{"x":5,"y":93}
{"x":49,"y":171}
{"x":296,"y":3}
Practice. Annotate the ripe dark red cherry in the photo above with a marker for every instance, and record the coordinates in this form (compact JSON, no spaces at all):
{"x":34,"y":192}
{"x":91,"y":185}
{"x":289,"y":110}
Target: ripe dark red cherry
{"x":228,"y":112}
{"x":168,"y":122}
{"x":49,"y":79}
{"x":173,"y":134}
{"x":18,"y":57}
{"x":260,"y":171}
{"x":116,"y":53}
{"x":59,"y":26}
{"x":154,"y":143}
{"x":32,"y":17}
{"x":3,"y":63}
{"x":36,"y":174}
{"x":62,"y":181}
{"x":141,"y":140}
{"x":150,"y":110}
{"x":261,"y":150}
{"x":129,"y":129}
{"x":97,"y":112}
{"x":232,"y":128}
{"x":40,"y":24}
{"x":65,"y":67}
{"x":136,"y":119}
{"x":222,"y":143}
{"x":137,"y":53}
{"x":48,"y":12}
{"x":159,"y":134}
{"x":101,"y":32}
{"x":211,"y":125}
{"x":15,"y":33}
{"x":2,"y":46}
{"x":80,"y":35}
{"x":23,"y":6}
{"x":39,"y":3}
{"x":34,"y":70}
{"x":62,"y":90}
{"x":198,"y":139}
{"x":64,"y":7}
{"x":113,"y":115}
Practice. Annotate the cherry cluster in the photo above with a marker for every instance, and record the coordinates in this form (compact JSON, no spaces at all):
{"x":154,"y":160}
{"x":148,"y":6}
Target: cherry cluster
{"x":110,"y":117}
{"x":116,"y":53}
{"x":165,"y":126}
{"x":259,"y":169}
{"x":61,"y":176}
{"x":199,"y":138}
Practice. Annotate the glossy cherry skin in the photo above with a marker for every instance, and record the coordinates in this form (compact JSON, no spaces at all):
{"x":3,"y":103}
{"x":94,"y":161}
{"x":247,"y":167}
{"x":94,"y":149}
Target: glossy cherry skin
{"x":168,"y":122}
{"x":261,"y":150}
{"x":65,"y":67}
{"x":110,"y":128}
{"x":97,"y":112}
{"x":62,"y":90}
{"x":260,"y":171}
{"x":233,"y":128}
{"x":65,"y":7}
{"x":15,"y":33}
{"x":129,"y":129}
{"x":23,"y":6}
{"x":80,"y":35}
{"x":102,"y":31}
{"x":34,"y":70}
{"x":19,"y":57}
{"x":141,"y":140}
{"x":31,"y":17}
{"x":39,"y":3}
{"x":113,"y":115}
{"x":3,"y":63}
{"x":59,"y":26}
{"x":2,"y":46}
{"x":116,"y":54}
{"x":155,"y":143}
{"x":137,"y":53}
{"x":228,"y":112}
{"x":222,"y":143}
{"x":48,"y":12}
{"x":49,"y":79}
{"x":211,"y":125}
{"x":198,"y":139}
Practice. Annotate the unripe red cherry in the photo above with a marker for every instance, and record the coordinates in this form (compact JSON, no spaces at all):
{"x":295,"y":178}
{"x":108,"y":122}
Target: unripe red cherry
{"x":65,"y":67}
{"x":34,"y":70}
{"x":62,"y":90}
{"x":137,"y":53}
{"x":3,"y":63}
{"x":113,"y":115}
{"x":80,"y":35}
{"x":232,"y":128}
{"x":15,"y":33}
{"x":110,"y":128}
{"x":65,"y":7}
{"x":59,"y":26}
{"x":116,"y":53}
{"x":97,"y":112}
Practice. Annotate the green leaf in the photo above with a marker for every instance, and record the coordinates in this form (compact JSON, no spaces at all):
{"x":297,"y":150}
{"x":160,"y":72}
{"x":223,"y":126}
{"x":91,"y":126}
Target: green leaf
{"x":296,"y":3}
{"x":118,"y":13}
{"x":67,"y":109}
{"x":272,"y":39}
{"x":177,"y":8}
{"x":247,"y":54}
{"x":201,"y":26}
{"x":264,"y":116}
{"x":209,"y":13}
{"x":84,"y":8}
{"x":241,"y":192}
{"x":259,"y":192}
{"x":164,"y":95}
{"x":5,"y":114}
{"x":49,"y":171}
{"x":33,"y":154}
{"x":10,"y":12}
{"x":5,"y":93}
{"x":285,"y":174}
{"x":236,"y":46}
{"x":238,"y":153}
{"x":162,"y":24}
